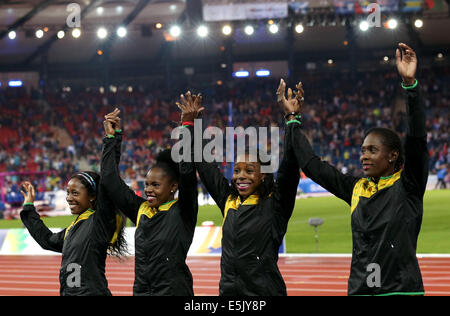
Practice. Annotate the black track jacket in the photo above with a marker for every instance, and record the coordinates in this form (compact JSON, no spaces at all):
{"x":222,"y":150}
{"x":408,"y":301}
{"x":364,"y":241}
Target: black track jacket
{"x":253,"y":230}
{"x":163,"y":236}
{"x":386,"y":216}
{"x":83,"y":246}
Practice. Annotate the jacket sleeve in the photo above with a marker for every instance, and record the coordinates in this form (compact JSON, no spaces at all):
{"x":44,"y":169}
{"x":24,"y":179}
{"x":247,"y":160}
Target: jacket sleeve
{"x":188,"y":191}
{"x":214,"y":181}
{"x":415,"y":171}
{"x":118,"y":146}
{"x":118,"y":191}
{"x":288,"y":177}
{"x":43,"y":236}
{"x":327,"y":176}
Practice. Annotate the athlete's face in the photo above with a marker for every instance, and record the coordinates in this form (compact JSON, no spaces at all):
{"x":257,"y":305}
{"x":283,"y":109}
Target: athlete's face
{"x":247,"y":176}
{"x":78,"y":197}
{"x":158,"y":187}
{"x":376,"y":159}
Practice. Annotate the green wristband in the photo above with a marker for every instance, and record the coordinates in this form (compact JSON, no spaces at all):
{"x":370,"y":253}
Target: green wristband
{"x":293,"y":121}
{"x":110,"y":136}
{"x":118,"y":131}
{"x":410,"y":87}
{"x":24,"y":204}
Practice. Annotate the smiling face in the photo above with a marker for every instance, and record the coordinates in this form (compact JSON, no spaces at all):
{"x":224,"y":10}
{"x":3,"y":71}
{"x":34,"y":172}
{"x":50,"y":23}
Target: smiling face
{"x":376,"y":158}
{"x":159,"y":188}
{"x":78,"y":198}
{"x":247,"y":176}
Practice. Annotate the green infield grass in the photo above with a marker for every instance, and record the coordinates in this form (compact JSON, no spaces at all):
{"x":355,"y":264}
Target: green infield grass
{"x":335,"y":234}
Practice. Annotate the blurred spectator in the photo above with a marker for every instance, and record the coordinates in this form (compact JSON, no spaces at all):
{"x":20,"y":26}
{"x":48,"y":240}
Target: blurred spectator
{"x":65,"y":131}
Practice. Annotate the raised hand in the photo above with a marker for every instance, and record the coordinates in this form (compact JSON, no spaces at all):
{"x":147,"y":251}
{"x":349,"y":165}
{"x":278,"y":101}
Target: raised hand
{"x":112,"y":122}
{"x":295,"y":99}
{"x":406,"y":60}
{"x":190,"y":106}
{"x":28,"y":192}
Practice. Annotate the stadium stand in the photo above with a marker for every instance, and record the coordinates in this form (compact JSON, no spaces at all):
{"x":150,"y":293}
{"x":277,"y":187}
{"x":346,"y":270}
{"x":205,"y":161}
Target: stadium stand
{"x":335,"y":118}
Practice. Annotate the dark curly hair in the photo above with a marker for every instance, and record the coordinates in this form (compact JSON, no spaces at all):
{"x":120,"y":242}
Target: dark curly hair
{"x":165,"y":162}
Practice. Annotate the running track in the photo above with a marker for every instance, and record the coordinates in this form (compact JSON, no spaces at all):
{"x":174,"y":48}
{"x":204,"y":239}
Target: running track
{"x":304,"y":275}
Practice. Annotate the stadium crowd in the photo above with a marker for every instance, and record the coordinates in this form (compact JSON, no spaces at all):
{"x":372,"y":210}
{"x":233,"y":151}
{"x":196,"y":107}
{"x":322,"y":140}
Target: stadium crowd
{"x":58,"y":130}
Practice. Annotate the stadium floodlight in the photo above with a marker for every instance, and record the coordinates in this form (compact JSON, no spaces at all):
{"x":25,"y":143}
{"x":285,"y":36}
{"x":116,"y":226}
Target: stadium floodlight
{"x":392,"y":24}
{"x":273,"y":28}
{"x":100,"y":10}
{"x":39,"y":33}
{"x":263,"y":73}
{"x":227,"y":30}
{"x":12,"y":35}
{"x":202,"y":31}
{"x":363,"y":26}
{"x":15,"y":83}
{"x":299,"y":28}
{"x":122,"y":31}
{"x":418,"y":23}
{"x":249,"y":30}
{"x":102,"y":33}
{"x":175,"y":31}
{"x":241,"y":74}
{"x":76,"y":33}
{"x":61,"y":34}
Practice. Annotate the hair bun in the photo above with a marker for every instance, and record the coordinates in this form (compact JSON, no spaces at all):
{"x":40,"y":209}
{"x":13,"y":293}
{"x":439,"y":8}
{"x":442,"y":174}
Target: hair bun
{"x":165,"y":157}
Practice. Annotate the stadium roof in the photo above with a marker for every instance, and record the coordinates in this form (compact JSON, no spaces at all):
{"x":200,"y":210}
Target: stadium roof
{"x":327,"y":34}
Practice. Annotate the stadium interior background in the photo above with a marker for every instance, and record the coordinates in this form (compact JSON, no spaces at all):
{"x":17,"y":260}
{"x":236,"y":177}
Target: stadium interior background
{"x":58,"y":79}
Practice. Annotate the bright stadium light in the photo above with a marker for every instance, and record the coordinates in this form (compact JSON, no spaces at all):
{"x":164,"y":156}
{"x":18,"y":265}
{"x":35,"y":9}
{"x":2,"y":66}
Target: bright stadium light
{"x":299,"y":28}
{"x":76,"y":33}
{"x":102,"y":33}
{"x":39,"y":33}
{"x":274,"y":28}
{"x":418,"y":23}
{"x":175,"y":31}
{"x":249,"y":30}
{"x":202,"y":31}
{"x":227,"y":30}
{"x":15,"y":83}
{"x":12,"y":35}
{"x":122,"y":32}
{"x":100,"y":10}
{"x":241,"y":74}
{"x":61,"y":34}
{"x":263,"y":73}
{"x":364,"y":26}
{"x":392,"y":23}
